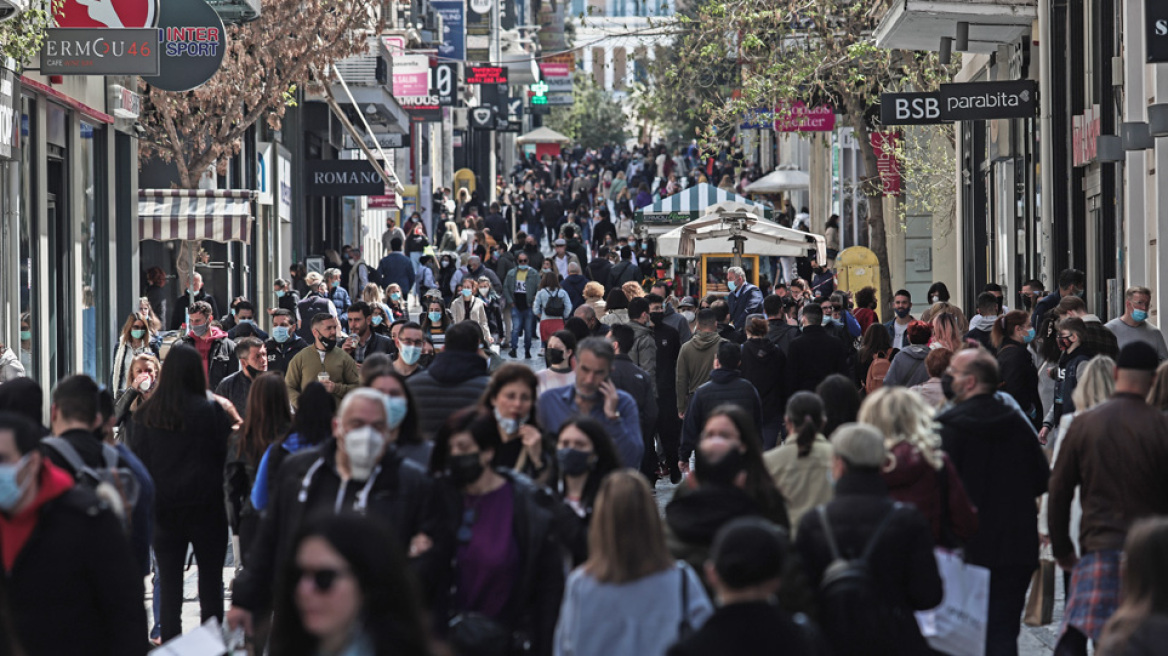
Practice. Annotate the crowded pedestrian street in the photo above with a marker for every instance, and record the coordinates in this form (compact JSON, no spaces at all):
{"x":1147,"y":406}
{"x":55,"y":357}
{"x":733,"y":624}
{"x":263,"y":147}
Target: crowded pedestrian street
{"x":583,"y":328}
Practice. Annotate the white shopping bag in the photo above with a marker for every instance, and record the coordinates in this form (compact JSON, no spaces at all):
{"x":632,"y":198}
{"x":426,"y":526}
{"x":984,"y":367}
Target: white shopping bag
{"x":206,"y":640}
{"x":958,"y":626}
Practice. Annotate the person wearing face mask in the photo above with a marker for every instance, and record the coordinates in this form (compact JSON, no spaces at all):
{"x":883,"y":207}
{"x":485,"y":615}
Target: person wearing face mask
{"x":326,"y":362}
{"x":1070,"y":333}
{"x":729,"y":480}
{"x":507,"y":576}
{"x":510,"y":397}
{"x":253,"y":361}
{"x":216,"y":349}
{"x":519,"y":290}
{"x":358,"y":471}
{"x":494,"y":308}
{"x":584,"y":457}
{"x":1071,"y":282}
{"x":180,"y":434}
{"x":1004,"y":471}
{"x":287,"y":298}
{"x":284,"y":342}
{"x":379,"y":374}
{"x":64,"y":552}
{"x":1012,"y":333}
{"x":184,"y":302}
{"x":244,"y":315}
{"x":560,"y":357}
{"x":469,"y":306}
{"x":409,"y":343}
{"x":436,"y":320}
{"x":898,"y":325}
{"x":1133,"y":324}
{"x":137,"y":337}
{"x":744,"y":298}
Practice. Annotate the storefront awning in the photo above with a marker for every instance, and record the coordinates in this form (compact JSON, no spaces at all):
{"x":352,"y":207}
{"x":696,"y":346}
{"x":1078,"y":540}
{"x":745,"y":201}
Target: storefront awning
{"x":714,"y":235}
{"x":220,"y":215}
{"x":691,"y":203}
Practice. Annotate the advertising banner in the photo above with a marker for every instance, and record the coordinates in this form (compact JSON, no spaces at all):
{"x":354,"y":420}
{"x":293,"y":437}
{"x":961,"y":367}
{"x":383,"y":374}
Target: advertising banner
{"x":798,"y":117}
{"x":453,"y":13}
{"x":885,"y":145}
{"x":192,"y":40}
{"x":341,"y":177}
{"x":100,"y":51}
{"x":107,"y":13}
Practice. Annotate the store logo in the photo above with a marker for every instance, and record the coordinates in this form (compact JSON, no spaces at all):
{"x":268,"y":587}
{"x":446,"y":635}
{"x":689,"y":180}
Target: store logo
{"x":1156,"y":13}
{"x":483,"y":117}
{"x":984,"y":101}
{"x":106,"y":13}
{"x":480,"y":6}
{"x":87,"y":51}
{"x":1161,"y":27}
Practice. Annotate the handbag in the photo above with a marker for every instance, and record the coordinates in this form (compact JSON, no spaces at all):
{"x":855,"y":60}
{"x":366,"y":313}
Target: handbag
{"x":475,"y":634}
{"x":1040,"y":603}
{"x":958,"y":626}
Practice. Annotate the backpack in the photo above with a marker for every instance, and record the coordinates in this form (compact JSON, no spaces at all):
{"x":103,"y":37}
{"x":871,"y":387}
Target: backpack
{"x":876,"y":373}
{"x":554,"y":307}
{"x":116,"y":486}
{"x":854,"y":614}
{"x":373,"y":274}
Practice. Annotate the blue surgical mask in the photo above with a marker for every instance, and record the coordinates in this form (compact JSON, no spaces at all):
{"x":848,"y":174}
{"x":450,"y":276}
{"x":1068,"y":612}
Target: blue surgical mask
{"x":25,"y":335}
{"x":396,"y":296}
{"x":280,"y":293}
{"x":377,"y":320}
{"x":410,"y":354}
{"x":467,"y":293}
{"x":334,"y":284}
{"x":524,"y":267}
{"x":1140,"y":315}
{"x":1029,"y":336}
{"x":10,"y":490}
{"x":137,"y":334}
{"x":396,"y":408}
{"x":435,"y":317}
{"x":281,"y":334}
{"x":732,"y":285}
{"x":509,"y":426}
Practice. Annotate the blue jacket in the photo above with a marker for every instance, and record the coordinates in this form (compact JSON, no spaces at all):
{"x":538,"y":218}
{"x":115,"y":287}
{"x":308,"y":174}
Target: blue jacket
{"x":892,"y":334}
{"x":744,"y":301}
{"x":558,"y":405}
{"x":341,"y":300}
{"x":574,"y":285}
{"x":397,"y":268}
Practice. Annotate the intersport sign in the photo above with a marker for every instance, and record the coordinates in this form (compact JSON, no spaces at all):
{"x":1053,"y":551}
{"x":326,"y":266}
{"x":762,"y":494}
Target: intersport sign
{"x":974,"y":101}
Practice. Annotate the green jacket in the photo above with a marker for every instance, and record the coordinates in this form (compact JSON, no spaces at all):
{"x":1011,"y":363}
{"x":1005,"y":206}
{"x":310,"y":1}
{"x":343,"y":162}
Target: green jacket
{"x":306,"y":365}
{"x":694,"y":364}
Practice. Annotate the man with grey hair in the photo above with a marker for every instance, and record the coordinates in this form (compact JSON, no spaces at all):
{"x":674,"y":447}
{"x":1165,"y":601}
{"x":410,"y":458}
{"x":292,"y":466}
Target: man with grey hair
{"x":474,"y":269}
{"x":588,"y":314}
{"x":896,"y":536}
{"x":744,"y":298}
{"x":574,"y":283}
{"x":355,"y":471}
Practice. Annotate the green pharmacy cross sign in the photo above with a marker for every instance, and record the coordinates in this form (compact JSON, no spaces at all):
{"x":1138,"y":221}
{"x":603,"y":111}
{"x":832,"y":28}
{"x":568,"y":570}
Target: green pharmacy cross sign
{"x":539,"y":93}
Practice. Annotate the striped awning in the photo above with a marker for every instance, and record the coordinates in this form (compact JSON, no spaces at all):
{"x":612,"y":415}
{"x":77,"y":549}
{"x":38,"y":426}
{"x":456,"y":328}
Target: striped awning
{"x":689,"y":204}
{"x":220,"y":215}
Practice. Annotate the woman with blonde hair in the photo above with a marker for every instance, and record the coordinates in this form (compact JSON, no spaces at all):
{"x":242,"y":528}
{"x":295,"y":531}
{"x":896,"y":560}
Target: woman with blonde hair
{"x":918,"y":471}
{"x":944,"y":307}
{"x":633,"y":289}
{"x":136,"y":338}
{"x":619,"y":591}
{"x":594,"y":297}
{"x":947,"y":333}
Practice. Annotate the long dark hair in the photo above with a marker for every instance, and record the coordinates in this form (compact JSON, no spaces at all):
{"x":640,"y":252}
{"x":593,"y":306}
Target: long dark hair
{"x":481,"y":425}
{"x":841,"y":402}
{"x":512,"y":372}
{"x":602,"y":445}
{"x":1145,"y":584}
{"x":759,"y":483}
{"x":876,"y":340}
{"x":268,"y":416}
{"x":389,"y":613}
{"x":182,"y":378}
{"x":314,"y":415}
{"x":805,"y":412}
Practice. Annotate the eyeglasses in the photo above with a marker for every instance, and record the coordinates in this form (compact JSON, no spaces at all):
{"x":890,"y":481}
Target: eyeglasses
{"x":523,"y":261}
{"x":322,"y":579}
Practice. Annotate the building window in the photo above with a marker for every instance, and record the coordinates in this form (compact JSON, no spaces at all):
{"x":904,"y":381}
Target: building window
{"x":95,"y":247}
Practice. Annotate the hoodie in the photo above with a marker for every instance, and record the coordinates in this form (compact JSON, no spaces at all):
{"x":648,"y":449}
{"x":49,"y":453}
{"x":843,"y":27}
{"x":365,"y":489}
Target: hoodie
{"x":452,"y":382}
{"x":908,"y":367}
{"x":694,"y":364}
{"x":15,"y":530}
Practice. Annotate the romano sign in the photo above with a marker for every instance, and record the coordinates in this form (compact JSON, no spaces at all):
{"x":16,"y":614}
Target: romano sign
{"x":1156,"y":15}
{"x":341,"y":177}
{"x":974,"y":101}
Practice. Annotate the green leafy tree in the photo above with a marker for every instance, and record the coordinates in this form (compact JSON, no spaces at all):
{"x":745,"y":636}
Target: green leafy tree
{"x":594,"y":119}
{"x":21,"y":38}
{"x":781,"y":51}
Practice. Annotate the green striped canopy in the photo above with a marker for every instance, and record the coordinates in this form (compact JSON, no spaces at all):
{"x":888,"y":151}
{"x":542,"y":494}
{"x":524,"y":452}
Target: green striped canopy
{"x":689,"y":204}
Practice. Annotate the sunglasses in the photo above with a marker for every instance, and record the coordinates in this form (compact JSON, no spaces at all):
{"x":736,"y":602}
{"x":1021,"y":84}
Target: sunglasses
{"x":322,"y":579}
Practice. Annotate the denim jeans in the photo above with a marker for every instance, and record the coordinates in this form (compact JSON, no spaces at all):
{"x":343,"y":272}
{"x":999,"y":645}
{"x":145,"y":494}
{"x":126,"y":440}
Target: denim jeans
{"x":522,"y":321}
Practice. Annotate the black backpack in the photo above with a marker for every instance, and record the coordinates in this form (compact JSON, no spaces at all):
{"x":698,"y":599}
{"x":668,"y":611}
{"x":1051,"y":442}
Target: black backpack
{"x":855,"y":616}
{"x":554,"y":307}
{"x":113,"y":484}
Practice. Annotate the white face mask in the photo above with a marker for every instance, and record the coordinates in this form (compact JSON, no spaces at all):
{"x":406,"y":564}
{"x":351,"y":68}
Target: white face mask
{"x":689,"y":316}
{"x":363,"y":446}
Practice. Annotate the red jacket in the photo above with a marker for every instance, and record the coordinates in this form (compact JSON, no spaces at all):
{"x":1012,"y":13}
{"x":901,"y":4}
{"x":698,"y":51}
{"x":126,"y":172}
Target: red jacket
{"x":15,"y":530}
{"x":913,"y":480}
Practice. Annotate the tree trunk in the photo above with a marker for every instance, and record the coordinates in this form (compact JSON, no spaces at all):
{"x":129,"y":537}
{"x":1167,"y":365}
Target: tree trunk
{"x":874,"y":190}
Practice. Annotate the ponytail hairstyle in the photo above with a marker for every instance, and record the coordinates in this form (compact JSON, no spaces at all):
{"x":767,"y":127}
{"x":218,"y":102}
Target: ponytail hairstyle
{"x":805,"y":412}
{"x":1005,"y":325}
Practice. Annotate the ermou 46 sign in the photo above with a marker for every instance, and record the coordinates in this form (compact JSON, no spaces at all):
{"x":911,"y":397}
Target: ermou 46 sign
{"x":976,"y":101}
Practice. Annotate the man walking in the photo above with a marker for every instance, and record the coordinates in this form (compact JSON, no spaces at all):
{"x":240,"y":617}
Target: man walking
{"x":726,"y":386}
{"x":1133,"y":326}
{"x":996,"y":453}
{"x":519,"y":291}
{"x":744,"y":298}
{"x":696,"y":359}
{"x":396,"y":268}
{"x":1116,"y":454}
{"x":326,"y":363}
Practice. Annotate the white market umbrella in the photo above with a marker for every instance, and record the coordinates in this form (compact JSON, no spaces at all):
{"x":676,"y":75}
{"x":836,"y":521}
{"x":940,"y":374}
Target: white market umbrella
{"x":780,"y":181}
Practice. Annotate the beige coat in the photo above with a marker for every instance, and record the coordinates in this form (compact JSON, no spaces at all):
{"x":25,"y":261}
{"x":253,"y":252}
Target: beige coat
{"x":478,"y":313}
{"x":804,"y":482}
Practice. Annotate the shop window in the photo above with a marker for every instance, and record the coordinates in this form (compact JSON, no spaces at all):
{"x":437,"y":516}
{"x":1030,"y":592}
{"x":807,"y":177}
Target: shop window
{"x":29,"y":353}
{"x":95,"y":298}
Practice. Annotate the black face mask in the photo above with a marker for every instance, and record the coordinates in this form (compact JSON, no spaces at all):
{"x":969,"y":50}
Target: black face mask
{"x":947,"y":387}
{"x":465,"y":469}
{"x":657,"y":318}
{"x":253,"y":372}
{"x":425,"y":359}
{"x":554,"y":356}
{"x":328,"y":343}
{"x":574,"y":462}
{"x":718,"y":472}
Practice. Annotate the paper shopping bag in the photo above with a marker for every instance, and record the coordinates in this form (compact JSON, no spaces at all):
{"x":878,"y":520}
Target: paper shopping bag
{"x":1040,"y":603}
{"x":958,"y":626}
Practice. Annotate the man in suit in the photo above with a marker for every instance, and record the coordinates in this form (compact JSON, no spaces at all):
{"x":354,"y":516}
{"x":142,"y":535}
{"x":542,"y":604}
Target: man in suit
{"x":744,"y":298}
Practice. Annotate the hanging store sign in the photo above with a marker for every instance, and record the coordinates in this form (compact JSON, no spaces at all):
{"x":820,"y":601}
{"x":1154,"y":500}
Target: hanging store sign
{"x":1085,"y":131}
{"x":482,"y":118}
{"x":971,"y":101}
{"x":453,"y":13}
{"x":10,"y":127}
{"x":1156,"y":15}
{"x":486,"y":75}
{"x":124,"y":103}
{"x":106,"y":14}
{"x":382,"y":139}
{"x":798,"y":117}
{"x":192,"y":40}
{"x":341,"y":177}
{"x":100,"y":51}
{"x":884,"y":145}
{"x":412,"y":77}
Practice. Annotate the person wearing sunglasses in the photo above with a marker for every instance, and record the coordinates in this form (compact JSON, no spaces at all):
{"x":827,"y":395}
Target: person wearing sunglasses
{"x":347,"y":591}
{"x":507,"y":576}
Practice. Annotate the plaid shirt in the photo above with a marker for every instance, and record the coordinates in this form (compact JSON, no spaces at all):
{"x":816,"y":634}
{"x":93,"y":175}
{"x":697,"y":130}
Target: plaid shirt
{"x":1094,"y":593}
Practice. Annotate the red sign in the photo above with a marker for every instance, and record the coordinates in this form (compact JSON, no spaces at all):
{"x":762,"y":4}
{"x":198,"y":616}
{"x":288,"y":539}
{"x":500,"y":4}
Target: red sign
{"x":1085,"y":131}
{"x":885,"y":144}
{"x":486,"y":75}
{"x":111,"y":13}
{"x":798,"y":117}
{"x":386,"y":202}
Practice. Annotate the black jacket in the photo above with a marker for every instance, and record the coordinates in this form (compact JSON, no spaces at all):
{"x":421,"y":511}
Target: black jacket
{"x":1020,"y":379}
{"x":623,"y":272}
{"x":401,"y":494}
{"x":983,"y":337}
{"x":452,"y":382}
{"x":902,"y":563}
{"x":1065,"y":384}
{"x":288,"y":301}
{"x":74,"y":588}
{"x":724,"y":386}
{"x":377,"y":344}
{"x":782,"y":334}
{"x":279,"y":355}
{"x":668,"y":348}
{"x":534,"y":607}
{"x":694,"y":515}
{"x":178,"y":313}
{"x":221,"y":360}
{"x":996,"y":452}
{"x":751,"y":629}
{"x":236,"y":387}
{"x":599,"y":270}
{"x":309,"y":307}
{"x":765,"y":366}
{"x":187,"y":465}
{"x":813,"y":356}
{"x":627,"y":376}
